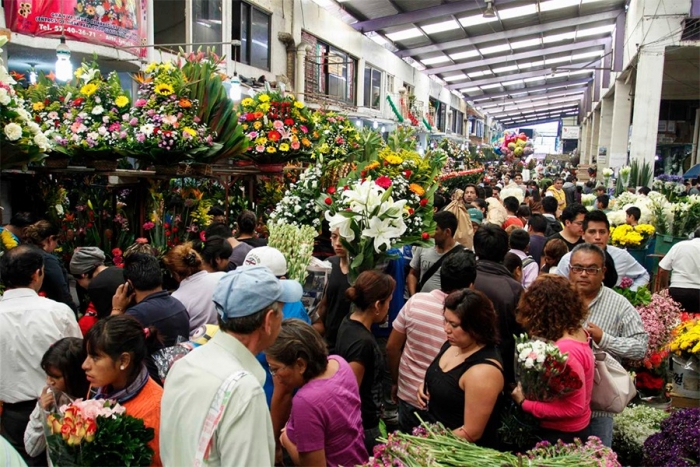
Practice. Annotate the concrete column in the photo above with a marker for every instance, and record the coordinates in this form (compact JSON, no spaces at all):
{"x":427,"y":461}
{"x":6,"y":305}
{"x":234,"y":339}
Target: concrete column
{"x":300,"y":78}
{"x":647,"y":97}
{"x":595,"y":131}
{"x":619,"y":131}
{"x":360,"y":83}
{"x":605,"y":132}
{"x":695,"y":154}
{"x":583,"y":143}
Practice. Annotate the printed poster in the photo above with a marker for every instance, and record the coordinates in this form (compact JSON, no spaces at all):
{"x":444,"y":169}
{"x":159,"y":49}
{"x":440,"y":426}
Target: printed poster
{"x":118,"y":23}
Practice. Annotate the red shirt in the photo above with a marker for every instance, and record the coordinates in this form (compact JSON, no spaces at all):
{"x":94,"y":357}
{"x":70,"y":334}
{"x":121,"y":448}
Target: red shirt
{"x":512,"y":220}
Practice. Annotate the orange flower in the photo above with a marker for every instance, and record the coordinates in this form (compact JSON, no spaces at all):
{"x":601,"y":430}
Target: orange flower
{"x":258,"y":115}
{"x":417,"y":189}
{"x":185,"y":103}
{"x":69,"y":217}
{"x":141,"y":78}
{"x":372,"y":166}
{"x":306,"y":142}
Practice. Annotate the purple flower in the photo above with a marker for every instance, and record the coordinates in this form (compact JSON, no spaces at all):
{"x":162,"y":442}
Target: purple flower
{"x":678,"y":443}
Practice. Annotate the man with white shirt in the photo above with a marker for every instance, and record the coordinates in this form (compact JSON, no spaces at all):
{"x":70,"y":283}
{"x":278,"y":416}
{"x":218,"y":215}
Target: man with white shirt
{"x":596,"y":230}
{"x":29,"y":325}
{"x":684,"y":260}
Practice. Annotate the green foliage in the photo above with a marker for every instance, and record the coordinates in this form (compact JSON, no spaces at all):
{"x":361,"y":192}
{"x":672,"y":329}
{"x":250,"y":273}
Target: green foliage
{"x":404,"y":137}
{"x":370,"y":141}
{"x":119,"y":441}
{"x":640,"y":297}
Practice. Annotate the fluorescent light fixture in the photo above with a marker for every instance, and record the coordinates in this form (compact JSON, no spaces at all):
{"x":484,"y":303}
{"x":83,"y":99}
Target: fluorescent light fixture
{"x":490,"y":106}
{"x":530,"y":64}
{"x":534,"y":78}
{"x":378,"y":38}
{"x":64,"y":68}
{"x":477,"y":74}
{"x":518,"y":11}
{"x":440,"y":27}
{"x":434,"y":60}
{"x":595,"y":31}
{"x":475,"y":20}
{"x":470,"y":90}
{"x":513,"y":83}
{"x":559,"y":37}
{"x":490,"y":86}
{"x":466,"y":54}
{"x":505,"y":69}
{"x":526,"y":43}
{"x":557,"y":4}
{"x":550,"y":61}
{"x":418,"y":65}
{"x":494,"y":49}
{"x":455,"y":77}
{"x":584,"y":55}
{"x":405,"y":34}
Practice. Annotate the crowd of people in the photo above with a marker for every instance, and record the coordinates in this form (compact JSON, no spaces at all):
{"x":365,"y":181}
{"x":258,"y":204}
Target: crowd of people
{"x":431,"y":337}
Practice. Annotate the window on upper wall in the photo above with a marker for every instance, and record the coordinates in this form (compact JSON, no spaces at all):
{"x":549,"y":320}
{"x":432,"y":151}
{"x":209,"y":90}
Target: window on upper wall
{"x":334,"y":73}
{"x":169,"y":23}
{"x":457,"y":125}
{"x":206,"y":24}
{"x":390,"y":84}
{"x":373,"y":88}
{"x":251,"y":26}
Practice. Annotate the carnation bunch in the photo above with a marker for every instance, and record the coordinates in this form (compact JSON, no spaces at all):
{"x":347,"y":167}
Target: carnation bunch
{"x":659,"y":318}
{"x":299,"y":204}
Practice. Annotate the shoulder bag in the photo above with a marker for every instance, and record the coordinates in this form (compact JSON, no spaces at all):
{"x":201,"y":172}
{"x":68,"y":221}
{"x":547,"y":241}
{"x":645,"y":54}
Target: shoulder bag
{"x":613,"y":387}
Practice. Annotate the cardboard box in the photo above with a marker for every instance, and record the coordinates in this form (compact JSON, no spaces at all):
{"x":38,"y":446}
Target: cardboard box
{"x":679,"y":402}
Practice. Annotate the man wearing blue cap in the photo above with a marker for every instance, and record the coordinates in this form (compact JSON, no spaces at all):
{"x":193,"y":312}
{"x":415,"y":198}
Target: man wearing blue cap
{"x":213,"y":408}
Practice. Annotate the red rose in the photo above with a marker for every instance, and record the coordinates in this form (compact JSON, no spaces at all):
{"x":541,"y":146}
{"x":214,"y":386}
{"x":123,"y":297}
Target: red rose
{"x":328,"y":201}
{"x":331,"y":190}
{"x":167,"y":233}
{"x":250,"y":117}
{"x":424,"y":202}
{"x":166,"y":225}
{"x":425,"y":235}
{"x":410,"y":211}
{"x":288,"y":121}
{"x":407,"y":173}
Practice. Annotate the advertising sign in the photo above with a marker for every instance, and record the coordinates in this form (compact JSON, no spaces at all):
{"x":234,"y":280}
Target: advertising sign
{"x":570,"y":132}
{"x":117,"y":23}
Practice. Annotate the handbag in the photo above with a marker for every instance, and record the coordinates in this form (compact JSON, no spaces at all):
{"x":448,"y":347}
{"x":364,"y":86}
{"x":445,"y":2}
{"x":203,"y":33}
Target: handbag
{"x":613,"y":388}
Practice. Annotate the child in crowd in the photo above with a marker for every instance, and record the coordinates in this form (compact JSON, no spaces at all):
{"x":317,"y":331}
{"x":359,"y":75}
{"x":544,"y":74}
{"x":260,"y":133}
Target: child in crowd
{"x":554,"y":249}
{"x":64,"y":377}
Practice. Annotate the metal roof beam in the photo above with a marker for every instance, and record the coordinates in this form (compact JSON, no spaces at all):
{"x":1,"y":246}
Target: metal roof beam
{"x":492,"y":106}
{"x":507,"y":126}
{"x":483,"y":98}
{"x":538,"y":115}
{"x":512,"y":77}
{"x":503,"y":59}
{"x":553,"y":107}
{"x":512,"y":33}
{"x":467,"y":7}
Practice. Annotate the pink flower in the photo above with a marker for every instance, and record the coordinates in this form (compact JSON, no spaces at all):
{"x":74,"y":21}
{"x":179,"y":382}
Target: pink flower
{"x":278,"y":124}
{"x":260,"y":148}
{"x":115,"y":127}
{"x":134,"y":121}
{"x":296,"y":145}
{"x":252,"y":135}
{"x":383,"y":181}
{"x":304,"y":129}
{"x":148,"y":225}
{"x":626,"y":283}
{"x":141,"y":240}
{"x":140,"y":102}
{"x":170,"y":119}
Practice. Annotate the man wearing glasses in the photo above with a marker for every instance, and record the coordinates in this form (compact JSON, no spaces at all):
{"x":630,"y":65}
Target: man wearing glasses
{"x":619,"y":263}
{"x":613,"y":323}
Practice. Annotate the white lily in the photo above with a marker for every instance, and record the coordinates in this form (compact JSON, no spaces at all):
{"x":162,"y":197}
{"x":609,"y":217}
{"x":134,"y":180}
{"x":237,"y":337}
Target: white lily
{"x":343,"y":224}
{"x":382,"y":231}
{"x":365,"y":195}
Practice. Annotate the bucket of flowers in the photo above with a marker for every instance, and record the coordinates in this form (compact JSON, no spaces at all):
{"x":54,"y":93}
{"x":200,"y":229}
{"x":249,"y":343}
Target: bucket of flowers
{"x":634,"y":239}
{"x":677,"y":442}
{"x":163,"y":128}
{"x":21,"y":140}
{"x":279,"y":129}
{"x":685,"y":347}
{"x":97,"y":433}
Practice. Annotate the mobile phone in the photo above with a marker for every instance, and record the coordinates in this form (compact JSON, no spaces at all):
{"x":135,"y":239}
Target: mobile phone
{"x":129,"y":288}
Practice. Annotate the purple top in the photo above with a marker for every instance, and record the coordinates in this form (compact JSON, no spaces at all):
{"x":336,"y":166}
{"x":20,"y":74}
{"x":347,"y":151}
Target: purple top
{"x":326,"y":415}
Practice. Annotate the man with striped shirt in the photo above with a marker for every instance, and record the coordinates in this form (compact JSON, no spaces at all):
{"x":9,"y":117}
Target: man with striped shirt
{"x":419,"y":333}
{"x":613,"y":323}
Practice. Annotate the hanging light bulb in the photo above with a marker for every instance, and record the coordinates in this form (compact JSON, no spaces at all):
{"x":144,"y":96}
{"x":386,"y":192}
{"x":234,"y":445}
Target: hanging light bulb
{"x":375,"y":124}
{"x":64,"y":68}
{"x":235,"y":91}
{"x":32,"y":75}
{"x":489,"y":11}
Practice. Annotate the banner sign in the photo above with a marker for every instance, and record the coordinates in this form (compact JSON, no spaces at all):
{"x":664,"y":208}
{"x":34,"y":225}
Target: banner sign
{"x":570,"y":132}
{"x":117,"y":23}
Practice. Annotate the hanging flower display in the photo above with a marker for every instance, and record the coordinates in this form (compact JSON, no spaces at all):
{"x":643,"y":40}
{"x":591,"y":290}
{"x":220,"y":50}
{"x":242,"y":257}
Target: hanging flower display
{"x":340,"y":139}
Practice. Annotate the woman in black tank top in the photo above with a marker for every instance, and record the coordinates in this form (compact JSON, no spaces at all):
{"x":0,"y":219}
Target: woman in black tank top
{"x":463,"y":386}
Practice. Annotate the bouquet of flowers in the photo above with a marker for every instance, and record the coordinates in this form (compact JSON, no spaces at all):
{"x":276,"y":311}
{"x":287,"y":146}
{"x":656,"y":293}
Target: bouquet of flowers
{"x":340,"y":140}
{"x":542,"y":370}
{"x":660,"y":317}
{"x":685,"y":339}
{"x":453,"y":180}
{"x":607,"y":173}
{"x":162,"y":127}
{"x":685,"y":216}
{"x":279,"y":127}
{"x":588,"y":201}
{"x":677,"y":443}
{"x":299,"y":204}
{"x":297,"y":246}
{"x":626,"y":236}
{"x":97,"y":433}
{"x":21,"y":140}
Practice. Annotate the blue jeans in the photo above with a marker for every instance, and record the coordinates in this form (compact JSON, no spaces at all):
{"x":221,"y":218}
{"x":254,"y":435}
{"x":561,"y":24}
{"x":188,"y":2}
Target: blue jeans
{"x":407,"y":417}
{"x":602,"y":427}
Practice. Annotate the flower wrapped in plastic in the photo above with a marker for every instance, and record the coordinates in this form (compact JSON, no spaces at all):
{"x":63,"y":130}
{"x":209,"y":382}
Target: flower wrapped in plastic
{"x":97,"y":433}
{"x":542,"y":371}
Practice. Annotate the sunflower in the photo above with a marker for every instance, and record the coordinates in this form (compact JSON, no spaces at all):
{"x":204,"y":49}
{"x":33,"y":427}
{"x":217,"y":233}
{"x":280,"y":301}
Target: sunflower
{"x":298,"y":105}
{"x":121,"y":101}
{"x":264,"y":98}
{"x":393,"y":160}
{"x":417,"y":189}
{"x":247,"y":102}
{"x":164,"y":89}
{"x":89,"y":89}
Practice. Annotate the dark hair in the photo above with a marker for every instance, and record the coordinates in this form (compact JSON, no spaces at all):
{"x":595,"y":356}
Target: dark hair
{"x":483,"y":205}
{"x":115,"y":335}
{"x":512,"y":262}
{"x":370,"y":287}
{"x":571,"y":212}
{"x":439,"y":201}
{"x":538,"y":223}
{"x":446,"y":220}
{"x":519,"y":239}
{"x":67,"y":356}
{"x":22,"y":219}
{"x":143,"y":270}
{"x":458,"y":271}
{"x":600,"y":187}
{"x":218,"y":229}
{"x":488,"y":192}
{"x":142,"y":248}
{"x":246,"y":222}
{"x":511,"y":204}
{"x":550,"y":204}
{"x":36,"y":233}
{"x":595,"y":216}
{"x":635,"y":212}
{"x":550,"y":307}
{"x":215,"y":248}
{"x":471,"y":185}
{"x":645,"y":190}
{"x":588,"y":248}
{"x":298,"y":340}
{"x":18,"y":265}
{"x":216,"y":211}
{"x":248,"y":324}
{"x":604,"y":200}
{"x":523,"y":211}
{"x":557,"y":179}
{"x":183,"y":260}
{"x":496,"y":188}
{"x":491,"y":243}
{"x":555,"y":248}
{"x":476,"y":315}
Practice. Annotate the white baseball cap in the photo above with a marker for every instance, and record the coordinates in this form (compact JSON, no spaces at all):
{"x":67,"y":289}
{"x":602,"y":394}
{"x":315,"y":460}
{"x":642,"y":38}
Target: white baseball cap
{"x":267,"y":256}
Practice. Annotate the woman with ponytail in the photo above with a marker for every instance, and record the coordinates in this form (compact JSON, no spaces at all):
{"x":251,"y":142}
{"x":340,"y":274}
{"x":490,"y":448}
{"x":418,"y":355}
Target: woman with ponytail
{"x":196,"y":284}
{"x":370,"y":297}
{"x":117,"y":347}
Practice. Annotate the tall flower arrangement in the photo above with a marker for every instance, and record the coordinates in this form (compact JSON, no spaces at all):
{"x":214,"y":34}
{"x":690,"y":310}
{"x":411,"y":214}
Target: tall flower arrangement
{"x":21,"y":139}
{"x":299,"y":203}
{"x":339,"y":138}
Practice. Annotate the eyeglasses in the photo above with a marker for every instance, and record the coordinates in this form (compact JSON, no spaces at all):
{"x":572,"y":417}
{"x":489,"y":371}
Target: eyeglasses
{"x":274,"y":372}
{"x":590,"y":270}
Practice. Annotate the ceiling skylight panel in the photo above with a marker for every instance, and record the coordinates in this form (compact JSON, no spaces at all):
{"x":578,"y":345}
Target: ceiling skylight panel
{"x":550,"y":61}
{"x":505,"y":69}
{"x":440,"y":27}
{"x":405,"y":34}
{"x":469,"y":90}
{"x":455,"y":77}
{"x":478,"y":74}
{"x":594,"y":31}
{"x":494,"y":49}
{"x":593,"y":54}
{"x":490,"y":86}
{"x":434,"y":60}
{"x":512,"y":83}
{"x":467,"y":54}
{"x":526,"y":43}
{"x":557,"y":4}
{"x":559,"y":37}
{"x":475,"y":20}
{"x":519,"y":11}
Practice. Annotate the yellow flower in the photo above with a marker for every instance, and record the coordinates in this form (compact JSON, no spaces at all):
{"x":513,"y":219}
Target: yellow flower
{"x":298,"y":105}
{"x":247,"y":102}
{"x":89,"y":89}
{"x":8,"y":240}
{"x":271,"y":150}
{"x":417,"y":189}
{"x":79,"y":72}
{"x":38,"y":106}
{"x":284,"y":147}
{"x":260,"y":141}
{"x":121,"y":101}
{"x":264,"y":108}
{"x":394,"y":160}
{"x":372,"y":165}
{"x":257,"y":125}
{"x":151,"y":67}
{"x":164,"y":89}
{"x":167,"y":66}
{"x":189,"y":131}
{"x":264,"y":98}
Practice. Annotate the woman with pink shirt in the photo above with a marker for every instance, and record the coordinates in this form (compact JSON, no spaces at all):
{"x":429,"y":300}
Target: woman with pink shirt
{"x":551,"y":309}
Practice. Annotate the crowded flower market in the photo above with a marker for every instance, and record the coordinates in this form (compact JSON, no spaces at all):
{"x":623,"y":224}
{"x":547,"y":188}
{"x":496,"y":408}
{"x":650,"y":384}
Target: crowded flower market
{"x":345,"y":233}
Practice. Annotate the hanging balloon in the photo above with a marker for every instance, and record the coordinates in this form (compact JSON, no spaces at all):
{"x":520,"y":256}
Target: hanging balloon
{"x":511,"y":146}
{"x":520,"y":143}
{"x":518,"y":151}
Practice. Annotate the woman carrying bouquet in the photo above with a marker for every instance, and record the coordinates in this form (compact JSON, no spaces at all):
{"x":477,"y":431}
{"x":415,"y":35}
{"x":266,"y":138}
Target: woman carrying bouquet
{"x":552,"y":310}
{"x":463,"y":386}
{"x":325,"y":424}
{"x":116,"y":349}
